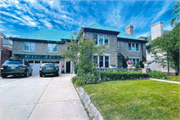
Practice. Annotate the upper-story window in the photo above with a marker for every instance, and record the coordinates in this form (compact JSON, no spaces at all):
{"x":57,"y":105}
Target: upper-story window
{"x":28,"y":46}
{"x":52,"y":47}
{"x":133,"y":46}
{"x":101,"y":39}
{"x":95,"y":38}
{"x":106,"y":40}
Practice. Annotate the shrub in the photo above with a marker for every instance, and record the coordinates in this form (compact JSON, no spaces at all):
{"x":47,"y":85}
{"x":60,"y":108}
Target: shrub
{"x":123,"y":75}
{"x":157,"y":74}
{"x":76,"y":68}
{"x":79,"y":83}
{"x":74,"y":79}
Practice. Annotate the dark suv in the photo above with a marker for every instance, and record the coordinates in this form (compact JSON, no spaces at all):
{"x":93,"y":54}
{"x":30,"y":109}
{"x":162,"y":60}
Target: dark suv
{"x":49,"y":68}
{"x":16,"y":67}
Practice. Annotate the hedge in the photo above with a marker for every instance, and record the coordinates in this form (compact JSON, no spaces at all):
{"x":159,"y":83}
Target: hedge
{"x":123,"y":75}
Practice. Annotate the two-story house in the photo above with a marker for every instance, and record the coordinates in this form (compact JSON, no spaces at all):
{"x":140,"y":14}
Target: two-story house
{"x":44,"y":46}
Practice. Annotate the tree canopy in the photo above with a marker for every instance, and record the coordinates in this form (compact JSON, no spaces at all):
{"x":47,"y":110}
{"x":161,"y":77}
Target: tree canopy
{"x":176,"y":8}
{"x":165,"y":49}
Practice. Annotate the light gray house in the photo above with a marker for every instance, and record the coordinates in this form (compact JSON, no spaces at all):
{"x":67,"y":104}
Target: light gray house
{"x":44,"y":46}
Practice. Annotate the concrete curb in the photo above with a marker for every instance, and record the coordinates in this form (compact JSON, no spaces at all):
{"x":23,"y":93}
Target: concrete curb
{"x":93,"y":112}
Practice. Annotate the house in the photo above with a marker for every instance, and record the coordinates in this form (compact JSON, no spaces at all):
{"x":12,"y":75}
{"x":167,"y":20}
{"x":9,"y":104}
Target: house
{"x":156,"y":31}
{"x":44,"y":46}
{"x":6,"y":48}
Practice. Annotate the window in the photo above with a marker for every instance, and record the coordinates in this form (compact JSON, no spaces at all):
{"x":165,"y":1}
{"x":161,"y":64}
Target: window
{"x":106,"y":40}
{"x":37,"y":61}
{"x":31,"y":61}
{"x":133,"y":46}
{"x":129,"y":46}
{"x":106,"y":61}
{"x":137,"y":47}
{"x":95,"y":38}
{"x":100,"y":39}
{"x":95,"y":59}
{"x":148,"y":50}
{"x":52,"y":47}
{"x":100,"y":61}
{"x":135,"y":61}
{"x":29,"y":46}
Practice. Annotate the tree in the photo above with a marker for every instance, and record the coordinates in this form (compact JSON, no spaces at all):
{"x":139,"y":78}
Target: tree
{"x":165,"y":49}
{"x":176,"y":8}
{"x":123,"y":60}
{"x":81,"y":53}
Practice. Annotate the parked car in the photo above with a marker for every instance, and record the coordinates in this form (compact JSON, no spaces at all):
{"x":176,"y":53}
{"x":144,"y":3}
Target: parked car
{"x":49,"y":68}
{"x":16,"y":67}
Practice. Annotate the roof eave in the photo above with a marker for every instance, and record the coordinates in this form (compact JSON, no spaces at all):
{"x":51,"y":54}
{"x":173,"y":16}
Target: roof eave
{"x":121,"y":38}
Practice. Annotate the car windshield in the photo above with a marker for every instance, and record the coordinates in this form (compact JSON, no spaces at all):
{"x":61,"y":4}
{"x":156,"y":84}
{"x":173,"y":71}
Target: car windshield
{"x":13,"y":62}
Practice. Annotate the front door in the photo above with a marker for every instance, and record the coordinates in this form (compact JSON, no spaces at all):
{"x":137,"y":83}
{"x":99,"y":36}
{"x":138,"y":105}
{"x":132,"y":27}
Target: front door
{"x":67,"y":66}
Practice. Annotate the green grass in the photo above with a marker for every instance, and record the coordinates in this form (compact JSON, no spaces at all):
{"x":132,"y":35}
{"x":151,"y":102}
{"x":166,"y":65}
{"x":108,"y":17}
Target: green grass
{"x":173,"y":78}
{"x":135,"y":99}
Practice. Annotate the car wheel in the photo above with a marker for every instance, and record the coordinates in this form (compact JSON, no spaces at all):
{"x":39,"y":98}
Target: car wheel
{"x":40,"y":75}
{"x":26,"y":74}
{"x":57,"y":74}
{"x":4,"y":76}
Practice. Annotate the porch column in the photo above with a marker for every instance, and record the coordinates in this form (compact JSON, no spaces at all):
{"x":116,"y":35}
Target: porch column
{"x":71,"y":71}
{"x":64,"y":66}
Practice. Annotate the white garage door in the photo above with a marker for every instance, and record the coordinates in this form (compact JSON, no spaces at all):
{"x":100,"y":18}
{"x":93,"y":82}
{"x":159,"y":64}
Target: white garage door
{"x":36,"y":65}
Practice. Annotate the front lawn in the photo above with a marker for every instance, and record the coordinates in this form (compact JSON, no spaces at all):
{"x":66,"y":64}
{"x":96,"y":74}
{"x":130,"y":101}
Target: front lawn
{"x":135,"y":99}
{"x":173,"y":78}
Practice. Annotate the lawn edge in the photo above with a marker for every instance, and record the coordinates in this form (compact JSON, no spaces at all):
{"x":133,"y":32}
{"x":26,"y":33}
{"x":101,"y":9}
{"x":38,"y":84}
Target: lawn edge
{"x":161,"y":80}
{"x":92,"y":112}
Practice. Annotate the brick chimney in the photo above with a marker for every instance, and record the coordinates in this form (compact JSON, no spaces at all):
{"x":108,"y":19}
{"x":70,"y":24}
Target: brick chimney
{"x":156,"y":30}
{"x":130,"y":30}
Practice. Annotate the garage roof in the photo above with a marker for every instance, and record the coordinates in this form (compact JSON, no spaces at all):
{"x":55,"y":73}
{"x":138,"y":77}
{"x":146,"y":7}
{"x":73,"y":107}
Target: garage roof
{"x":49,"y":35}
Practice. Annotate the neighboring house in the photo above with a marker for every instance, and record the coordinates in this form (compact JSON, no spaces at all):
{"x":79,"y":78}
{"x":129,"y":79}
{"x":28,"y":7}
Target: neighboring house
{"x":156,"y":31}
{"x":44,"y":46}
{"x":6,"y":48}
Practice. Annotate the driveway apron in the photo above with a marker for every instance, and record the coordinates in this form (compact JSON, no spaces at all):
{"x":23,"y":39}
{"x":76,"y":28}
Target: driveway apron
{"x":36,"y":98}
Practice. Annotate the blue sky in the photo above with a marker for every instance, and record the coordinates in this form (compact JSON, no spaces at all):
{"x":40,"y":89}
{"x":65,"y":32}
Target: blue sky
{"x":21,"y":17}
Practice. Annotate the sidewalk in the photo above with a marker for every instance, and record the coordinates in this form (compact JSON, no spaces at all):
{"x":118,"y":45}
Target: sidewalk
{"x":164,"y":80}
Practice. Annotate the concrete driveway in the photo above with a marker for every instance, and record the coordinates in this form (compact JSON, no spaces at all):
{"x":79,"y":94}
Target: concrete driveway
{"x":36,"y":98}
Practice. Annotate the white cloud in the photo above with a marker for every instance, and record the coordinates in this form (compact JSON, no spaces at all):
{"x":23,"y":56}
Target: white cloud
{"x":26,"y":20}
{"x":168,"y":27}
{"x":160,"y":13}
{"x":47,"y":24}
{"x":144,"y":34}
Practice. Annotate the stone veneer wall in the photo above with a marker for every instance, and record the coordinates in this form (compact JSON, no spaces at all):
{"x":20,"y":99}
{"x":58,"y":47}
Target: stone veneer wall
{"x":123,"y":49}
{"x":40,"y":48}
{"x":111,"y":49}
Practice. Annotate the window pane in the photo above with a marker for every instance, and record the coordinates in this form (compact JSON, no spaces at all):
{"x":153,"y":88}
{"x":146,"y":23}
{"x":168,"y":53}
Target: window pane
{"x":101,"y":61}
{"x":137,"y":47}
{"x":37,"y":61}
{"x":133,"y":47}
{"x":95,"y":59}
{"x":33,"y":44}
{"x":129,"y":46}
{"x":106,"y":39}
{"x":100,"y":39}
{"x":134,"y":61}
{"x":107,"y":61}
{"x":49,"y":47}
{"x":137,"y":61}
{"x":54,"y":47}
{"x":26,"y":46}
{"x":95,"y":38}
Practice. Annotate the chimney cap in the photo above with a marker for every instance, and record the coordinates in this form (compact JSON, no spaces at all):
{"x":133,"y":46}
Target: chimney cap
{"x":130,"y":26}
{"x":157,"y":23}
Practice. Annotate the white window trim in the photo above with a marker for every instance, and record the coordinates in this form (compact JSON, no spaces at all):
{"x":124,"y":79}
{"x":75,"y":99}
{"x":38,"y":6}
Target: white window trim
{"x":103,"y":61}
{"x":103,"y":39}
{"x":30,"y":47}
{"x":135,"y":47}
{"x":52,"y":49}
